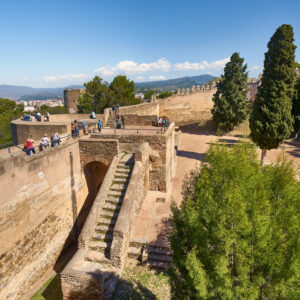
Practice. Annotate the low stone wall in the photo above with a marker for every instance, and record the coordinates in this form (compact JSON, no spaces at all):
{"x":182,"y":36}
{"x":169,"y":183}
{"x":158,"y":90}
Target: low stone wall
{"x":139,"y":120}
{"x":162,"y":156}
{"x":72,"y":117}
{"x":188,"y":109}
{"x":135,"y":194}
{"x":102,"y":150}
{"x":21,"y":130}
{"x":139,"y":109}
{"x":42,"y":196}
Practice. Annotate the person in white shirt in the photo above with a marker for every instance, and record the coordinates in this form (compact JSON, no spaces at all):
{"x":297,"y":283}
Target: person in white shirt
{"x":45,"y":141}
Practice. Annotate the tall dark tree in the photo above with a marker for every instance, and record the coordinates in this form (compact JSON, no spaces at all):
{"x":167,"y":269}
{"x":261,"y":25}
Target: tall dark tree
{"x":230,"y":107}
{"x":296,"y":108}
{"x":271,"y":120}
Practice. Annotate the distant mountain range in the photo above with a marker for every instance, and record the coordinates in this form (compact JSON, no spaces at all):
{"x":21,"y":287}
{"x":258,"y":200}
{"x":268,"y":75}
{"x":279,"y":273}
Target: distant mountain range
{"x":173,"y":84}
{"x":14,"y":92}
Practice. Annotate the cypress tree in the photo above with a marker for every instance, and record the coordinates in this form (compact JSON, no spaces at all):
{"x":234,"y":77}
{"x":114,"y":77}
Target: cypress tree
{"x":271,"y":120}
{"x":296,"y":108}
{"x":236,"y":234}
{"x":230,"y":107}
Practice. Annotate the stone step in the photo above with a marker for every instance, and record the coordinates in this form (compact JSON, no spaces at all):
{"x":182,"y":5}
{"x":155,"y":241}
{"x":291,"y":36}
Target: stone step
{"x":129,"y":164}
{"x":125,"y":167}
{"x":114,"y":199}
{"x":121,"y":180}
{"x":106,"y":222}
{"x":116,"y":194}
{"x":111,"y":207}
{"x":107,"y":237}
{"x":153,"y":264}
{"x":159,"y":250}
{"x":109,"y":215}
{"x":123,"y":172}
{"x":159,"y":257}
{"x":97,"y":257}
{"x":100,"y":246}
{"x":121,"y":175}
{"x":105,"y":229}
{"x":118,"y":187}
{"x":127,"y":158}
{"x":134,"y":252}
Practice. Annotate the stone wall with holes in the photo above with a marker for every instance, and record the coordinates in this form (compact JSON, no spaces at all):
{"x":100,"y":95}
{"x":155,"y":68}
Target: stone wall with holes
{"x":162,"y":156}
{"x":41,"y":196}
{"x":102,"y":150}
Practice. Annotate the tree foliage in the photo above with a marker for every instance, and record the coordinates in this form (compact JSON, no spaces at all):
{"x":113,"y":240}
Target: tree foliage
{"x":53,"y":109}
{"x":271,"y":120}
{"x":230,"y":107}
{"x":296,"y":106}
{"x":9,"y":111}
{"x":236,"y":235}
{"x":99,"y":94}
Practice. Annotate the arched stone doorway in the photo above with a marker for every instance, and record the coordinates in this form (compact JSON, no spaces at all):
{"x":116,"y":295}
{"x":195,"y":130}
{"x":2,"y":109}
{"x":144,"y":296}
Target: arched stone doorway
{"x":94,"y":174}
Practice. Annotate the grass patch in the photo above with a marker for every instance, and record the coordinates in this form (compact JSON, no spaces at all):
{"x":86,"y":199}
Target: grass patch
{"x":51,"y":290}
{"x":138,"y":282}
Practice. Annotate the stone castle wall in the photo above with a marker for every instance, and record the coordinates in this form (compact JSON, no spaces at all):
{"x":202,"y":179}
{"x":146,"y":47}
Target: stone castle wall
{"x":71,"y":99}
{"x":41,"y":198}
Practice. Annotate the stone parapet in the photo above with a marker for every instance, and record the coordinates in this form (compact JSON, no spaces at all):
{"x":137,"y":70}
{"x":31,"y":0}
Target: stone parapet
{"x":135,"y":194}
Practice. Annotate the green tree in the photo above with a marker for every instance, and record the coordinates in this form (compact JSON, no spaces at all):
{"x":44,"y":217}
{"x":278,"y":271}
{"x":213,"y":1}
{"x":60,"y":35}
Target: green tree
{"x":271,"y":120}
{"x":230,"y":107}
{"x":296,"y":107}
{"x":236,"y":234}
{"x":53,"y":110}
{"x":164,"y":95}
{"x":96,"y":97}
{"x":148,"y":94}
{"x":9,"y":111}
{"x":124,"y":91}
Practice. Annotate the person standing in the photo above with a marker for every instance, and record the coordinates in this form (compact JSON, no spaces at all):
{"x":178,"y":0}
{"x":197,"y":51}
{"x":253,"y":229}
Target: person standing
{"x":29,"y":145}
{"x":45,"y":141}
{"x":99,"y":125}
{"x":117,"y":121}
{"x":55,"y":139}
{"x":123,"y":122}
{"x":73,"y":130}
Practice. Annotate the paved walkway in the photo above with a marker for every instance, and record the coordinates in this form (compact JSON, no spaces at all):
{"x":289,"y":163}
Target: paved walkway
{"x":151,"y":223}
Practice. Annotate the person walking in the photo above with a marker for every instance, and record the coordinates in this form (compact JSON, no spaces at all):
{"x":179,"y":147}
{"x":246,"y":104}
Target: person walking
{"x":113,"y":109}
{"x":73,"y":130}
{"x":123,"y":122}
{"x":29,"y":145}
{"x":99,"y":125}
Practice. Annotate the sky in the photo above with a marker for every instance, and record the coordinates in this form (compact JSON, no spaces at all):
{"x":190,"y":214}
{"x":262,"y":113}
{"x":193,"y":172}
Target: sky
{"x":65,"y":42}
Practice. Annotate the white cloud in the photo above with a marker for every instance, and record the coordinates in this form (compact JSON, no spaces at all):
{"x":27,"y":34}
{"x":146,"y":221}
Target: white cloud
{"x":204,"y":65}
{"x":26,"y":79}
{"x":131,"y":67}
{"x":255,"y":68}
{"x":139,"y":78}
{"x":157,"y":77}
{"x":69,"y":77}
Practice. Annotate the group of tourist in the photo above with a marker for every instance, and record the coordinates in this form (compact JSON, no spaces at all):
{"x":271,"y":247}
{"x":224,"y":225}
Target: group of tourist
{"x":161,"y":122}
{"x":37,"y":117}
{"x":54,"y":141}
{"x":74,"y":129}
{"x":119,"y":120}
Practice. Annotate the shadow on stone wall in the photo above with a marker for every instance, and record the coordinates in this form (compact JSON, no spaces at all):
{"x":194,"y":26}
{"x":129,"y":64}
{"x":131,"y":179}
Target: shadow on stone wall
{"x":94,"y":174}
{"x":204,"y":128}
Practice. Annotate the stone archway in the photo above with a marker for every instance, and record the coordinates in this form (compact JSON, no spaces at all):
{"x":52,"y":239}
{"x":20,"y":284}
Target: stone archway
{"x":94,"y":172}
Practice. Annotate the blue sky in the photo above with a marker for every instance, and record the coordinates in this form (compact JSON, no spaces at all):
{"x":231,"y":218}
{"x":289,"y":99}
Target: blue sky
{"x":58,"y":43}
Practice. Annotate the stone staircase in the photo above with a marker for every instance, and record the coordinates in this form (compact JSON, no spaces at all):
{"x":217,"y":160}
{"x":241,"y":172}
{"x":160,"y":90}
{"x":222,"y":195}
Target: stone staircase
{"x":156,"y":256}
{"x":99,"y":245}
{"x":111,"y":121}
